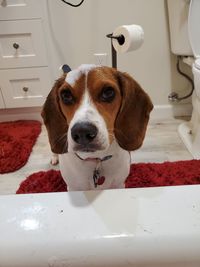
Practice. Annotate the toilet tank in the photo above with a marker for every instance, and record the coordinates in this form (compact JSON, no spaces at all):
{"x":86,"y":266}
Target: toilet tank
{"x":178,"y":26}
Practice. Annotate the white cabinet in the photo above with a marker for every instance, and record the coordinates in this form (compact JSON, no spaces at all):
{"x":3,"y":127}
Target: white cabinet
{"x":25,"y":87}
{"x":22,"y":44}
{"x":20,"y":9}
{"x":25,"y":78}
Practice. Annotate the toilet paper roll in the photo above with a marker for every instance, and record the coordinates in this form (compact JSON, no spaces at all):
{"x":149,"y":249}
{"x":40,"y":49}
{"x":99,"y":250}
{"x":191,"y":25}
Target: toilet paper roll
{"x":133,"y":38}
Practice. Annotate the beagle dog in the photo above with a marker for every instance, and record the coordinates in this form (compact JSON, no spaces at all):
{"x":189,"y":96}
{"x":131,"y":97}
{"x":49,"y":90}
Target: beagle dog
{"x":94,"y":117}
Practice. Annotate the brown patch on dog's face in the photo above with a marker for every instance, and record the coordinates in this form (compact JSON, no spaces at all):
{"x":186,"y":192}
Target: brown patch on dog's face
{"x":70,"y":97}
{"x":105,"y":94}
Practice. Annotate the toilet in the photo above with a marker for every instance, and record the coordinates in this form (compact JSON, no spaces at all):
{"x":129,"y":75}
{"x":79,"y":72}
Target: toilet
{"x":184,"y":21}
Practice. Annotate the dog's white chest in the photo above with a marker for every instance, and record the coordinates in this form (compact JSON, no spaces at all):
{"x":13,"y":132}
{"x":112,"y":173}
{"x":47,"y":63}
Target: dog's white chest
{"x":110,"y":173}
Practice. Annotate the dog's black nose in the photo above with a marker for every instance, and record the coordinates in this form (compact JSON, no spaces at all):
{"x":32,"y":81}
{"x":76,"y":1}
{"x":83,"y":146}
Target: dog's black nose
{"x":84,"y":133}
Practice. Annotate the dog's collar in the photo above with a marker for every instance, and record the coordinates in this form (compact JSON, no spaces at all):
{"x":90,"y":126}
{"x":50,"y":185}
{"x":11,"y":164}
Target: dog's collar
{"x":97,"y":178}
{"x":95,"y":159}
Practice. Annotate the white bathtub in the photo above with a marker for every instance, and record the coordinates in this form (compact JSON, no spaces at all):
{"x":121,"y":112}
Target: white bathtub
{"x":134,"y":227}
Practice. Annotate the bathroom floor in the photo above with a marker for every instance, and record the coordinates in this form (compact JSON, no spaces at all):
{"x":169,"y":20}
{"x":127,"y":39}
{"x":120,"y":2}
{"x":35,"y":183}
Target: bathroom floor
{"x":162,"y":143}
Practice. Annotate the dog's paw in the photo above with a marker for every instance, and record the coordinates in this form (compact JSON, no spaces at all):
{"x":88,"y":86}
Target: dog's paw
{"x":54,"y":159}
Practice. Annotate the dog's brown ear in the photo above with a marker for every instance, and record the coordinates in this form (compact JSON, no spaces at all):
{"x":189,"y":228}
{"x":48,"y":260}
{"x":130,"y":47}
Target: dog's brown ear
{"x":133,"y":116}
{"x":54,"y":120}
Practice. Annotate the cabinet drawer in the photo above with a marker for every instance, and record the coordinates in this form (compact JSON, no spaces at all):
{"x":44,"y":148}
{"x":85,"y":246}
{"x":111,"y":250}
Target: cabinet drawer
{"x":22,"y":44}
{"x":20,"y":9}
{"x":1,"y":101}
{"x":25,"y":87}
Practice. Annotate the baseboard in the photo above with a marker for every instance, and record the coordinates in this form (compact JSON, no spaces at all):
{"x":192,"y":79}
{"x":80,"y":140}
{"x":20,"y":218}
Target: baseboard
{"x":161,"y":112}
{"x":20,"y":114}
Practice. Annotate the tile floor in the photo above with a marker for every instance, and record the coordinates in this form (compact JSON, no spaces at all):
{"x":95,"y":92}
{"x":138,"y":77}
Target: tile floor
{"x":162,"y":143}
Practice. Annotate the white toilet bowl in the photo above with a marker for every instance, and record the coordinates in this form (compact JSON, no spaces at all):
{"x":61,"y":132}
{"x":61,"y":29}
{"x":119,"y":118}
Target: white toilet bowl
{"x":190,"y":131}
{"x":196,"y":73}
{"x":195,"y":120}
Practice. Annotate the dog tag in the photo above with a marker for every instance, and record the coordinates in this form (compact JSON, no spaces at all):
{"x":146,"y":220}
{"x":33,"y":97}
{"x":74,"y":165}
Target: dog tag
{"x":96,"y":176}
{"x":101,"y":180}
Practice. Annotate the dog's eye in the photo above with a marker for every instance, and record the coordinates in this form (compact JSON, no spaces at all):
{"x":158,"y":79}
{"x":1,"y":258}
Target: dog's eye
{"x":67,"y":97}
{"x":107,"y":94}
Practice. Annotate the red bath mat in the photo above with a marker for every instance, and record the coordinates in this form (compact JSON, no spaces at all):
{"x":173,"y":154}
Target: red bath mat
{"x":141,"y":175}
{"x":16,"y":141}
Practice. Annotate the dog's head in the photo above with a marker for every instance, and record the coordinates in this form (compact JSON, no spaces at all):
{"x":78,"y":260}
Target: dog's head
{"x":91,"y":106}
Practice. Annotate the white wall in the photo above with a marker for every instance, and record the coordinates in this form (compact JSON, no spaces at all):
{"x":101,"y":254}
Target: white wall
{"x":80,"y":32}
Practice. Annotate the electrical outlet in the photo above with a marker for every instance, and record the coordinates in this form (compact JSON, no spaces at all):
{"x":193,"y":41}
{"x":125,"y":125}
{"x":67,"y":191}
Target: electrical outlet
{"x":101,"y":59}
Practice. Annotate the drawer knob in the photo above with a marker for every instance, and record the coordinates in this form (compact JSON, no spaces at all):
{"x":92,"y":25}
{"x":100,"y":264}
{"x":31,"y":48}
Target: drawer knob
{"x":16,"y":46}
{"x":25,"y":89}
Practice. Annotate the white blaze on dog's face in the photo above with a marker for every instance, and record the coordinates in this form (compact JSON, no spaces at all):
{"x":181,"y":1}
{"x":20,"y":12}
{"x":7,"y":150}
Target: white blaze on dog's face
{"x":90,"y":101}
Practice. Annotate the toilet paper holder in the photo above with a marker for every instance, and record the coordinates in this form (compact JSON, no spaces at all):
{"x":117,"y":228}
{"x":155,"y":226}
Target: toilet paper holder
{"x":125,"y":38}
{"x":121,"y":39}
